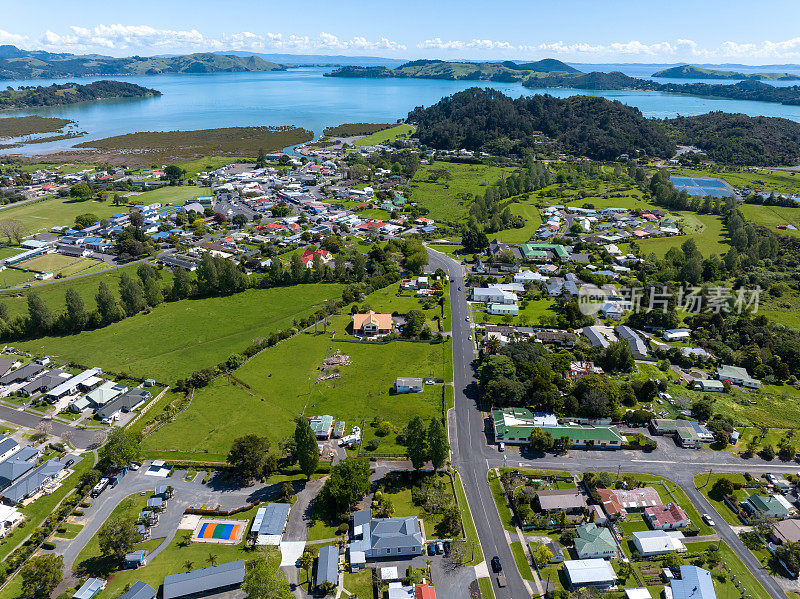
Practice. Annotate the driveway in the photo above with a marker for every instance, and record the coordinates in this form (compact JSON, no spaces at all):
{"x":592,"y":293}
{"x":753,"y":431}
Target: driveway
{"x":79,"y":438}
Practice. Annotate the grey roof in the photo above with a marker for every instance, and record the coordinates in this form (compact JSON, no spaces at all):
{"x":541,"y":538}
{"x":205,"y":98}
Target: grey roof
{"x":161,"y":490}
{"x":635,"y":342}
{"x":695,"y":583}
{"x":596,"y":338}
{"x":22,"y":374}
{"x":328,"y":565}
{"x":45,"y":382}
{"x":140,"y":590}
{"x":155,"y":502}
{"x":89,"y":588}
{"x":7,"y":444}
{"x":135,"y":556}
{"x":17,"y":465}
{"x":70,"y":385}
{"x":394,"y":533}
{"x":203,"y":580}
{"x":32,"y":481}
{"x":404,"y":381}
{"x":5,"y":365}
{"x":273,"y":519}
{"x":128,"y":400}
{"x":561,"y":499}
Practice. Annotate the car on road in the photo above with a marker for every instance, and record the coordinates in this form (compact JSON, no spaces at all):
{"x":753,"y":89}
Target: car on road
{"x":459,"y":287}
{"x":469,"y":337}
{"x":467,"y":319}
{"x":708,"y":520}
{"x":501,"y":446}
{"x":496,"y":565}
{"x":501,"y":580}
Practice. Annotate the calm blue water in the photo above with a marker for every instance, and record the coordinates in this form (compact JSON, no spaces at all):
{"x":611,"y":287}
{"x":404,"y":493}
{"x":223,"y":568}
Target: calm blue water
{"x":303,"y":97}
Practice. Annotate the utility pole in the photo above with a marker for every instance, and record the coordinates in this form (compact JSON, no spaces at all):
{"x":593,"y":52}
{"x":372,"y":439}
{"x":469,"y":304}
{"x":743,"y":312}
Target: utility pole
{"x":708,"y":479}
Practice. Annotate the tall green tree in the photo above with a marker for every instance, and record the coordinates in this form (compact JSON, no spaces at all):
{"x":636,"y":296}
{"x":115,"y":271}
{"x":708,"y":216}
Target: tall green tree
{"x":40,"y":318}
{"x":250,"y":457}
{"x":263,"y":578}
{"x":118,"y":537}
{"x":41,"y":575}
{"x":76,"y":314}
{"x":121,"y":448}
{"x":181,"y":284}
{"x":307,"y":448}
{"x":346,"y":486}
{"x":438,"y":446}
{"x":416,"y":445}
{"x":131,"y":294}
{"x":107,"y":305}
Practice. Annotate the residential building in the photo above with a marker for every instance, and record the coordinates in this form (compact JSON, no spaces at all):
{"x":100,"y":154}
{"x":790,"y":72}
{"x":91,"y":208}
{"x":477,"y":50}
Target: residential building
{"x":589,"y":572}
{"x":270,"y":522}
{"x":687,"y":433}
{"x":676,"y":334}
{"x":213,"y":579}
{"x":560,"y":339}
{"x":327,"y":566}
{"x":503,"y":309}
{"x":612,"y":310}
{"x":694,"y":583}
{"x":493,"y":295}
{"x":372,"y":324}
{"x":134,"y":559}
{"x":71,"y":386}
{"x":106,"y":392}
{"x":737,"y":376}
{"x":657,"y":542}
{"x":385,"y":537}
{"x":322,"y":426}
{"x":19,"y":463}
{"x":581,"y":369}
{"x":424,"y":591}
{"x":44,"y":382}
{"x":709,"y":385}
{"x":33,"y":482}
{"x":596,"y":336}
{"x":786,"y":531}
{"x":593,"y":541}
{"x":408,"y":385}
{"x":139,"y":590}
{"x":127,"y":402}
{"x":637,"y":345}
{"x":774,"y":506}
{"x":8,"y":447}
{"x":568,"y":500}
{"x":666,"y":517}
{"x":6,"y":364}
{"x":618,"y":502}
{"x":90,"y":588}
{"x":9,"y":518}
{"x":25,"y":373}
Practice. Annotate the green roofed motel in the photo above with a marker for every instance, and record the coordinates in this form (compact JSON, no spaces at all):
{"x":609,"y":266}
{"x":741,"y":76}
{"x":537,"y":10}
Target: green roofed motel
{"x":532,"y":251}
{"x":514,"y":425}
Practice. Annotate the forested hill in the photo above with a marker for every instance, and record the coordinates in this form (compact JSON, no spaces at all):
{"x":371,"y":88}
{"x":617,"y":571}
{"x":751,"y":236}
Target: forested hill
{"x":740,"y":139}
{"x":690,"y":72}
{"x":478,"y":119}
{"x":69,"y":93}
{"x":468,"y":71}
{"x":22,"y":64}
{"x":598,"y":81}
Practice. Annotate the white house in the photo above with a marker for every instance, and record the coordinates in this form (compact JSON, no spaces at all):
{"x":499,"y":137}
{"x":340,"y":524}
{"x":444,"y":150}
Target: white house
{"x":658,"y":542}
{"x":737,"y":376}
{"x":492,"y":295}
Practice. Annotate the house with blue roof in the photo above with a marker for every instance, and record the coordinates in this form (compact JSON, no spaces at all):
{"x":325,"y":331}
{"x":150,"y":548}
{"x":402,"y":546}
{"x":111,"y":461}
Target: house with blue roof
{"x":694,"y":583}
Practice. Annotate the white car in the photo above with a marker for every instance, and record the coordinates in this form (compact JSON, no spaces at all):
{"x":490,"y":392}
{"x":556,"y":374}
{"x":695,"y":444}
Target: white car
{"x":134,"y":466}
{"x":707,"y":519}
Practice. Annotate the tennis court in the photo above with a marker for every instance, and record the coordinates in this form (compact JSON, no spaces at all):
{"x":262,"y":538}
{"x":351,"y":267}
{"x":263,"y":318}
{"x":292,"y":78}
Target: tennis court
{"x":702,"y":187}
{"x":220,"y":531}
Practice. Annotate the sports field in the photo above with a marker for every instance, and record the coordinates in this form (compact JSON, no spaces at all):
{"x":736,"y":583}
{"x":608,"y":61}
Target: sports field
{"x":66,"y":266}
{"x":51,"y":212}
{"x":177,"y":338}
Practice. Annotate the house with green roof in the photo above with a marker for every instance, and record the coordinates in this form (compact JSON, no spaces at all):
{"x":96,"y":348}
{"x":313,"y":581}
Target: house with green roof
{"x":322,"y":426}
{"x":592,"y":542}
{"x":774,"y":506}
{"x":531,"y":250}
{"x":514,"y":425}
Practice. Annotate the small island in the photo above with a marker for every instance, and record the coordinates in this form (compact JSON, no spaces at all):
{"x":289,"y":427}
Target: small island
{"x":507,"y":71}
{"x":691,"y":72}
{"x":71,"y":93}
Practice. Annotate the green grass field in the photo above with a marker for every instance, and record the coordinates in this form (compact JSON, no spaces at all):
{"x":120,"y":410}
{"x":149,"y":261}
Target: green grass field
{"x":177,"y":338}
{"x":440,"y":197}
{"x":772,"y":216}
{"x":705,"y":229}
{"x":386,"y":135}
{"x":50,"y":212}
{"x":281,"y":385}
{"x":177,"y":195}
{"x":532,"y":222}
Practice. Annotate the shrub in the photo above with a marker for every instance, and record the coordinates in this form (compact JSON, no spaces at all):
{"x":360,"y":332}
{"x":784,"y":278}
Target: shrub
{"x":48,"y":545}
{"x":383,"y":429}
{"x":343,"y":528}
{"x":372,"y":444}
{"x":77,"y":513}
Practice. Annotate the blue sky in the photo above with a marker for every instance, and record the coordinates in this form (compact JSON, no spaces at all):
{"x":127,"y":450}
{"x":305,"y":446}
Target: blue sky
{"x":572,"y":30}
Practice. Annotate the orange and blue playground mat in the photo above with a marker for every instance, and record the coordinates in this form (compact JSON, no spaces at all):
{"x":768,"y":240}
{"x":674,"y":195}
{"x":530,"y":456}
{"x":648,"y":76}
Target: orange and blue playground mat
{"x":215,"y":530}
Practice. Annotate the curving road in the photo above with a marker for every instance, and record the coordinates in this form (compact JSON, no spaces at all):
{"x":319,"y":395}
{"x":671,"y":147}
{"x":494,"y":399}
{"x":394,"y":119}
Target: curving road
{"x":473,"y":457}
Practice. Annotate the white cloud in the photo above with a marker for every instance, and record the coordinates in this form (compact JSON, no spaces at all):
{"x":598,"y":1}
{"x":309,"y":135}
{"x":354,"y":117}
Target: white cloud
{"x":7,"y":37}
{"x":120,"y":38}
{"x":437,"y":43}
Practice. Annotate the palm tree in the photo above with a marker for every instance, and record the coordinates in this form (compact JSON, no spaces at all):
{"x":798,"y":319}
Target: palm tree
{"x":188,"y":564}
{"x":492,"y":345}
{"x":212,"y":559}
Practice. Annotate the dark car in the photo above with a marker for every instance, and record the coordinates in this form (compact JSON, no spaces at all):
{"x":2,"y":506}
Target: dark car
{"x":496,"y":566}
{"x":431,"y":548}
{"x":446,"y":547}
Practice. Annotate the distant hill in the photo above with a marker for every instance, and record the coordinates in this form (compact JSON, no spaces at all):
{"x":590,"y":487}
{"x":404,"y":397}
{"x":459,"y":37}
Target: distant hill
{"x":321,"y":59}
{"x":459,"y":71}
{"x":692,"y":72}
{"x":23,"y":64}
{"x":70,"y":93}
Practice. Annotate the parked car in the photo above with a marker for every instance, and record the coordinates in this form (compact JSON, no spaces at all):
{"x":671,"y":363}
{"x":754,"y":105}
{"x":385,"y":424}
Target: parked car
{"x":134,"y":466}
{"x":431,"y":548}
{"x":439,"y":547}
{"x":501,"y":580}
{"x":707,"y":519}
{"x":446,"y":547}
{"x":496,"y":566}
{"x":501,"y":446}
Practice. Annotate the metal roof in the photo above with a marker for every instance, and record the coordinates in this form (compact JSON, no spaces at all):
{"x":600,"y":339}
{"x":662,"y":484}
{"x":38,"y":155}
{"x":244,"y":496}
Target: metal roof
{"x":33,"y":481}
{"x":271,"y":519}
{"x":69,"y":385}
{"x":140,"y":590}
{"x":203,"y":580}
{"x":328,"y":565}
{"x":695,"y":583}
{"x":589,"y":571}
{"x":89,"y":588}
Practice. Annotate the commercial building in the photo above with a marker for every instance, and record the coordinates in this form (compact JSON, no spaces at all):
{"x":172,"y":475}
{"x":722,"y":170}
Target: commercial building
{"x":213,"y":579}
{"x":514,"y":425}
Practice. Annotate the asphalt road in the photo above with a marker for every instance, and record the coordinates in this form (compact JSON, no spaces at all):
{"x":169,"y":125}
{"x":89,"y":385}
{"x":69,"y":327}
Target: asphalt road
{"x":473,"y":457}
{"x":80,"y":438}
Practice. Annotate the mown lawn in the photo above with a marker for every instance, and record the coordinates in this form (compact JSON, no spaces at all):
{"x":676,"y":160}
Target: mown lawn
{"x":705,"y":229}
{"x":522,"y":560}
{"x":532,"y":222}
{"x":705,"y":482}
{"x":386,"y":135}
{"x":49,"y":212}
{"x":360,"y":584}
{"x":772,"y":216}
{"x":506,"y":515}
{"x":281,"y":384}
{"x":177,"y":338}
{"x":669,"y":491}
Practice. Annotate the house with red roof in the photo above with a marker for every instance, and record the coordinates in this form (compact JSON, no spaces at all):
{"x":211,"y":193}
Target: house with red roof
{"x":308,"y":257}
{"x":666,"y":517}
{"x":424,"y":591}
